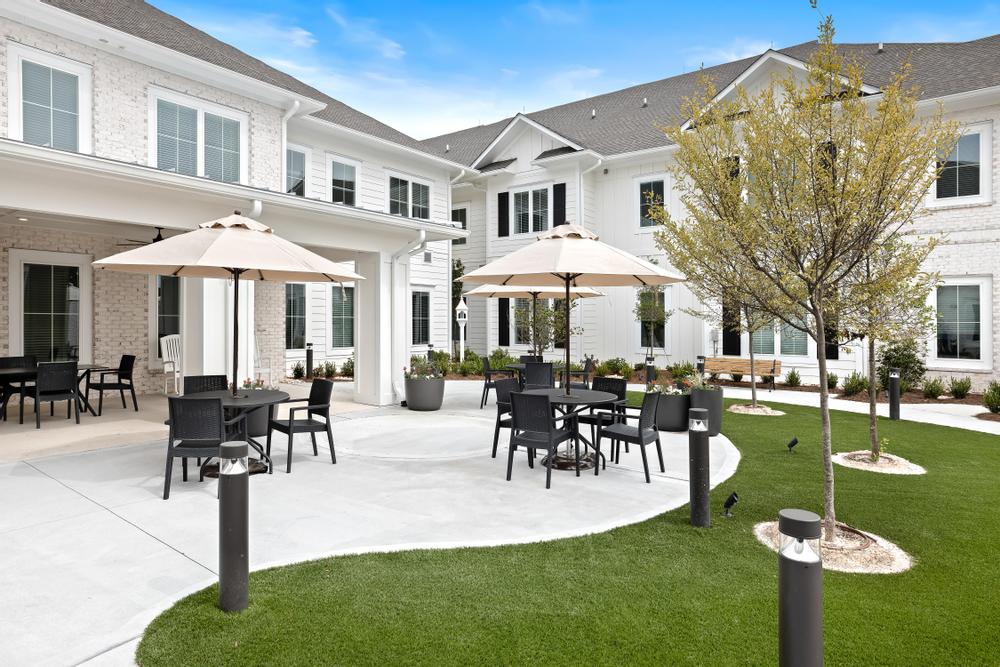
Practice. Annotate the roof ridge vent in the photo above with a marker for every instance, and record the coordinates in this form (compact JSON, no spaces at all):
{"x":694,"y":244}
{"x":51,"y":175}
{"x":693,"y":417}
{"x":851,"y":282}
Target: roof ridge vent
{"x":447,"y":147}
{"x":881,"y":47}
{"x":593,"y":114}
{"x":645,"y":103}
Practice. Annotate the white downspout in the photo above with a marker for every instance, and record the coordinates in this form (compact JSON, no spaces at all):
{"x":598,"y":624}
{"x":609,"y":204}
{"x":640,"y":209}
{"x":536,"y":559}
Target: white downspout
{"x":581,"y":221}
{"x":408,"y":250}
{"x":289,"y":112}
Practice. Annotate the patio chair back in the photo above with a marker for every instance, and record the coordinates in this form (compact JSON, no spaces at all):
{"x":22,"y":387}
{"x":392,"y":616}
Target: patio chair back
{"x":27,"y":361}
{"x":616,"y":386}
{"x":196,"y":420}
{"x":320,"y":394}
{"x":530,"y":359}
{"x":531,"y":413}
{"x":125,"y":366}
{"x":195,"y":384}
{"x":56,"y":377}
{"x":647,"y":415}
{"x":170,"y":348}
{"x":538,"y":375}
{"x":504,"y":389}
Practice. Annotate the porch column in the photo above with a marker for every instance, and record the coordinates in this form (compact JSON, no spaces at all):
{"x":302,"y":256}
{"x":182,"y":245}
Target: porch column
{"x":373,"y":337}
{"x":207,"y":327}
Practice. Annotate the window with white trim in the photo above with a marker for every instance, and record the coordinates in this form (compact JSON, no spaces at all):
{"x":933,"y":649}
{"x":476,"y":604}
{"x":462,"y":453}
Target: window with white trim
{"x":295,"y":316}
{"x":168,"y":308}
{"x":522,"y":321}
{"x":531,"y":210}
{"x":410,"y":199}
{"x":959,"y":322}
{"x":295,"y":172}
{"x":654,"y":336}
{"x":650,"y":196}
{"x":966,"y":176}
{"x":197,"y":138}
{"x":762,"y":340}
{"x":49,"y":99}
{"x":794,"y":342}
{"x":420,"y":317}
{"x":51,"y":312}
{"x":460,"y":216}
{"x":342,"y":316}
{"x":343,"y":183}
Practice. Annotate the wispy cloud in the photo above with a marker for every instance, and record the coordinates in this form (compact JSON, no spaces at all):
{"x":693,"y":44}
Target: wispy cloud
{"x":735,"y":49}
{"x":943,"y":28}
{"x":262,"y":28}
{"x":363,"y":32}
{"x":572,"y":83}
{"x":556,"y":14}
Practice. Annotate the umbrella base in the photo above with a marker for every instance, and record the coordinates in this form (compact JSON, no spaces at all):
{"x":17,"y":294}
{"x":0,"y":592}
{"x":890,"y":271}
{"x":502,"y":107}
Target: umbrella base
{"x":566,"y":461}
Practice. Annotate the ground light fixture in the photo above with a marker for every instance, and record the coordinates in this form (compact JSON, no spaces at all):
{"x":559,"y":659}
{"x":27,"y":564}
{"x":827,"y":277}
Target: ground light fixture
{"x":701,"y":365}
{"x":894,"y":391}
{"x":698,"y":471}
{"x":728,"y":505}
{"x":800,"y":589}
{"x":234,"y":526}
{"x":791,"y":443}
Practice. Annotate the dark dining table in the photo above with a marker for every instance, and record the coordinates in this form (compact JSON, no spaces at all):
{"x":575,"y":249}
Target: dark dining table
{"x":24,"y":374}
{"x":247,"y":401}
{"x":575,"y":402}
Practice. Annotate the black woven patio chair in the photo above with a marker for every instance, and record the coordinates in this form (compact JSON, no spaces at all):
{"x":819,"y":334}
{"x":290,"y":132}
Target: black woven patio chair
{"x":490,"y":377}
{"x":197,"y":428}
{"x":195,"y":384}
{"x":317,"y":405}
{"x":118,"y":380}
{"x":56,"y":381}
{"x":505,"y":387}
{"x":599,"y":414}
{"x":644,"y":433}
{"x":581,"y":379}
{"x":10,"y":389}
{"x":534,"y":428}
{"x":538,"y":376}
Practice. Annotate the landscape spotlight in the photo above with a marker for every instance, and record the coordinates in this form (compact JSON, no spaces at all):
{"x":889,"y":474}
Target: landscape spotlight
{"x":728,"y":505}
{"x":791,"y":443}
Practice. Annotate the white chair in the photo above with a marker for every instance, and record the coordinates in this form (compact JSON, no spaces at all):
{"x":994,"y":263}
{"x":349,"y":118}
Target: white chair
{"x":261,"y":366}
{"x":170,"y":352}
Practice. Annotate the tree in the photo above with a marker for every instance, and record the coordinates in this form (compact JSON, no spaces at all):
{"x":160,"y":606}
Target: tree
{"x":541,"y":323}
{"x":650,"y":311}
{"x":790,"y":190}
{"x":888,"y":304}
{"x":457,"y":271}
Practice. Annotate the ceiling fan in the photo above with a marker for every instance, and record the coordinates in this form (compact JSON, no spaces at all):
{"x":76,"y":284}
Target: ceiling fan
{"x":135,"y":243}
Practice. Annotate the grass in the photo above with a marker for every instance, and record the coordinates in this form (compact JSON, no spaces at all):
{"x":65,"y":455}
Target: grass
{"x":658,"y":592}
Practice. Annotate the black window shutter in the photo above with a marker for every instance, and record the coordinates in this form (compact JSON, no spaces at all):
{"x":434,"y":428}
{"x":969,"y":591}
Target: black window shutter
{"x":503,"y":215}
{"x":559,"y":204}
{"x":730,"y":329}
{"x":503,"y":310}
{"x":832,"y":345}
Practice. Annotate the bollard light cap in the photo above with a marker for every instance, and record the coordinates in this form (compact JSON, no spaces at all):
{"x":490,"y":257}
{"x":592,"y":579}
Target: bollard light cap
{"x":236,"y":449}
{"x":697,"y":419}
{"x":894,"y":373}
{"x":800,"y":524}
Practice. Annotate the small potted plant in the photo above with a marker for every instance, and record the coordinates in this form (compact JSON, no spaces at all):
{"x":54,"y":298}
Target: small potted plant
{"x":672,"y":409}
{"x":424,"y":385}
{"x":708,"y":396}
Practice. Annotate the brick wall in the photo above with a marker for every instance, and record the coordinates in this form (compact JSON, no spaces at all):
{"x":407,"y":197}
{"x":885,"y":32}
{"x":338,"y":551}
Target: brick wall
{"x":121,"y":300}
{"x":269,"y":325}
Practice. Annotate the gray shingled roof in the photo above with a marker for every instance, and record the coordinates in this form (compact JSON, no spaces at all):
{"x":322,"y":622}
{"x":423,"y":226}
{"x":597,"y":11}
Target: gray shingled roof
{"x":623,"y":125}
{"x":498,"y":165}
{"x":145,"y":21}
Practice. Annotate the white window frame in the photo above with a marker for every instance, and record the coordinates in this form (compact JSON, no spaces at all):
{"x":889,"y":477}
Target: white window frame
{"x":155,"y":363}
{"x":18,"y":53}
{"x":511,"y":216}
{"x":456,"y":206}
{"x":297,"y":352}
{"x":328,"y":187}
{"x":202,"y":107}
{"x":410,"y":180}
{"x":637,"y":198}
{"x":985,"y":361}
{"x":17,"y":258}
{"x":637,"y":326}
{"x":429,"y":291}
{"x":329,"y":319}
{"x":307,"y":178}
{"x":985,"y":196}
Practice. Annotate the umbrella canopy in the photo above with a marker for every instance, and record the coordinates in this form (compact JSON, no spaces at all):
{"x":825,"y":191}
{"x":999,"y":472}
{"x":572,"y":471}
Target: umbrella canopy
{"x":573,"y":253}
{"x":234,"y":247}
{"x":571,"y":256}
{"x":531,"y":292}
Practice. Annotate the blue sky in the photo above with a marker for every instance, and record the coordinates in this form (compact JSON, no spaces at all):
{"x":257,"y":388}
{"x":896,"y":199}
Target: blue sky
{"x":427,"y":68}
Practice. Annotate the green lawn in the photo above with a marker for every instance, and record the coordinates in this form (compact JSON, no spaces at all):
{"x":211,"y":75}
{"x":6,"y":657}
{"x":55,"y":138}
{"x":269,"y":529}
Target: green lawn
{"x":658,"y":592}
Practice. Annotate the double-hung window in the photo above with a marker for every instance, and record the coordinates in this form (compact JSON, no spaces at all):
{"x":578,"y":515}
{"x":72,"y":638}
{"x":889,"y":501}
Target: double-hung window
{"x":651,"y":333}
{"x":342,"y":316}
{"x":794,"y":342}
{"x":460,"y":216}
{"x":965,"y":172}
{"x":522,"y":321}
{"x":650,"y":196}
{"x":49,"y":99}
{"x":51,"y":311}
{"x":296,"y":165}
{"x":420,"y":315}
{"x":198,"y":138}
{"x":959,"y":322}
{"x":410,"y":199}
{"x":762,"y":340}
{"x":531,"y":210}
{"x":295,"y":316}
{"x":343,"y":183}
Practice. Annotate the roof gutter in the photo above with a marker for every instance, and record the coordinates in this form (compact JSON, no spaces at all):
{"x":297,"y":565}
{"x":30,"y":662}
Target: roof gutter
{"x":408,"y":250}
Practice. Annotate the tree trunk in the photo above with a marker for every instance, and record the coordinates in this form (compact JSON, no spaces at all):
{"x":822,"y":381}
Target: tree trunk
{"x":829,"y":511}
{"x":753,"y":376}
{"x":872,"y":395}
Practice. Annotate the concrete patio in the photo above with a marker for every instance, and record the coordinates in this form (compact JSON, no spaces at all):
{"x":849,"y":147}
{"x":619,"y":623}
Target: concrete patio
{"x":92,"y":553}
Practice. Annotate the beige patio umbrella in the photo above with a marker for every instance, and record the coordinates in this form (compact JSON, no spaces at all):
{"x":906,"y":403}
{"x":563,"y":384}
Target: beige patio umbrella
{"x":533,"y":292}
{"x":234,"y":247}
{"x":571,"y":256}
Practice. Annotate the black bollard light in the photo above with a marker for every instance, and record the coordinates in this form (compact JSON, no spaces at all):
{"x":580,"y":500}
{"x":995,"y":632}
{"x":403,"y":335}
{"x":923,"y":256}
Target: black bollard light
{"x":800,"y":589}
{"x":309,"y":361}
{"x":701,"y":365}
{"x":234,"y":526}
{"x":430,"y":352}
{"x":698,"y":467}
{"x":893,"y":393}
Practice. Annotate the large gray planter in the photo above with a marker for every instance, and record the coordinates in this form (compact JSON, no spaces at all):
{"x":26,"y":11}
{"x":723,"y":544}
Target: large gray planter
{"x":672,"y":412}
{"x":711,"y":400}
{"x":424,"y":394}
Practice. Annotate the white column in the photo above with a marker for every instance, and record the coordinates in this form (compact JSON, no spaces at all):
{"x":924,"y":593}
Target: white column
{"x":373,"y":336}
{"x":207,"y":333}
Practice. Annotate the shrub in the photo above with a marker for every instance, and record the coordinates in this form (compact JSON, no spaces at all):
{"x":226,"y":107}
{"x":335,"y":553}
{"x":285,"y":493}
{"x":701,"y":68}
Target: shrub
{"x":714,"y":377}
{"x":831,"y":381}
{"x":933,"y":388}
{"x":908,"y":357}
{"x":329,"y":369}
{"x":440,"y":361}
{"x":468,"y":367}
{"x":347,"y":368}
{"x":473,"y":363}
{"x":602,"y":369}
{"x":960,"y":388}
{"x":681,"y":370}
{"x":319,"y":372}
{"x":767,"y":379}
{"x":737,"y":377}
{"x":792,"y":378}
{"x":619,"y":366}
{"x":298,"y":370}
{"x":500,"y":358}
{"x":855,"y":383}
{"x":991,"y":398}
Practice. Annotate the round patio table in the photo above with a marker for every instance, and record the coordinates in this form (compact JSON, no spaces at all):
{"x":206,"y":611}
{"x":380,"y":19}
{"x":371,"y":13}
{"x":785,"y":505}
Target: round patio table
{"x":246,"y":401}
{"x":574,"y":403}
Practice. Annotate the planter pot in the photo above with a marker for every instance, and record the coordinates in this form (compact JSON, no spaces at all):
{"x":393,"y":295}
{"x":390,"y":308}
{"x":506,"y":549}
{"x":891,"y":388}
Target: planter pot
{"x":672,"y":412}
{"x":711,"y":400}
{"x":257,"y":423}
{"x":424,"y":394}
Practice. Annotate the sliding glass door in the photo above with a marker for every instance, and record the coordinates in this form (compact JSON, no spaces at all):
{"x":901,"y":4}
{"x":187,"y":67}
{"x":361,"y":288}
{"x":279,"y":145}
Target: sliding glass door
{"x":51,"y":311}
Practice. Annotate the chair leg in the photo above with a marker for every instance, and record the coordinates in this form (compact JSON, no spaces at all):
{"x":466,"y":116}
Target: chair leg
{"x":597,"y":462}
{"x":496,"y":436}
{"x":166,"y":475}
{"x":38,"y":414}
{"x":267,"y":446}
{"x":52,"y":408}
{"x":531,"y":459}
{"x":576,"y":443}
{"x":122,"y":392}
{"x":69,"y":408}
{"x":135,"y":401}
{"x":291,"y":438}
{"x":76,"y":408}
{"x":482,"y":400}
{"x":100,"y":402}
{"x":329,"y":437}
{"x":510,"y":459}
{"x":313,"y":436}
{"x":184,"y":469}
{"x":659,"y":454}
{"x":645,"y":463}
{"x":548,"y":468}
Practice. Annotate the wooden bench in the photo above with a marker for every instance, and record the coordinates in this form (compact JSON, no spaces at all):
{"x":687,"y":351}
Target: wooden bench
{"x":741,"y":366}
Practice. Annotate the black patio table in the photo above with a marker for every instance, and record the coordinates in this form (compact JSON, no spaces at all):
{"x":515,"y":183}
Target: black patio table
{"x":23,"y":374}
{"x":245,"y":402}
{"x":574,"y":403}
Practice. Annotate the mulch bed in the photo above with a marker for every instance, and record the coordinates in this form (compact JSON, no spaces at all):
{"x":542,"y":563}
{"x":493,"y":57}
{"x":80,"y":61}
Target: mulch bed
{"x":988,"y":416}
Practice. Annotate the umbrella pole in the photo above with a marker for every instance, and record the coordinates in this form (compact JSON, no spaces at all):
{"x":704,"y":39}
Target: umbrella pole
{"x":566,"y":340}
{"x":534,"y":323}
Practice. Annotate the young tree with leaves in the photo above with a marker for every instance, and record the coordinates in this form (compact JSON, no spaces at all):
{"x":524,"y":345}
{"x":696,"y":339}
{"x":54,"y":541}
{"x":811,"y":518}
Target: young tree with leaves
{"x":791,"y":189}
{"x":651,"y":312}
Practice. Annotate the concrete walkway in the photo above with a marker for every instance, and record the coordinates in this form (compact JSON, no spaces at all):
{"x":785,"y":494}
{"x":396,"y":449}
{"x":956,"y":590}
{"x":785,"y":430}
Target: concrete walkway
{"x":91,"y":553}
